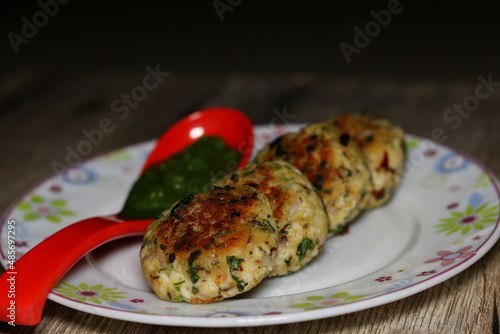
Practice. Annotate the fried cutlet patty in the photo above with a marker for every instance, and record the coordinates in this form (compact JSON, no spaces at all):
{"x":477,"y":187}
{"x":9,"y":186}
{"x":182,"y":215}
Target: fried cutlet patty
{"x":297,"y":206}
{"x":382,"y":143}
{"x":332,"y":162}
{"x":210,"y":246}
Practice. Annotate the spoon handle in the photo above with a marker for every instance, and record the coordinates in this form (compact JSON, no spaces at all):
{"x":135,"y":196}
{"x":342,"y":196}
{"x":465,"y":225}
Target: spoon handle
{"x":25,"y":285}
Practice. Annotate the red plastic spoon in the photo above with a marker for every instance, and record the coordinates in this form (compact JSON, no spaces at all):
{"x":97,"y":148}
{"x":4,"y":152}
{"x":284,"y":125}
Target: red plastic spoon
{"x":35,"y":274}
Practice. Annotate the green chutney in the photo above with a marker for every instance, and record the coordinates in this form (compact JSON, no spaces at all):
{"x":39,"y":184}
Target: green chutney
{"x":193,"y":170}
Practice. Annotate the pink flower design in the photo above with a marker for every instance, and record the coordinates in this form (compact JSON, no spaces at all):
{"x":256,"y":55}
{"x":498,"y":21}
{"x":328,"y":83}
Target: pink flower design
{"x":272,"y":313}
{"x":330,"y":302}
{"x":88,"y":293}
{"x":447,"y":257}
{"x":430,"y":152}
{"x":55,"y":188}
{"x":137,"y":300}
{"x":383,"y":278}
{"x":477,"y":237}
{"x":427,"y":273}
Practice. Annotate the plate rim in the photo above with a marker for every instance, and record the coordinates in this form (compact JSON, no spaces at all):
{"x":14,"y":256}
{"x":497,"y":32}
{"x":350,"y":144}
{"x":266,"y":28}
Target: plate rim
{"x":273,"y":319}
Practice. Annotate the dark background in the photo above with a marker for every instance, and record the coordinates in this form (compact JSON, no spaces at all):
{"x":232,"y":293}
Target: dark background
{"x":448,"y":40}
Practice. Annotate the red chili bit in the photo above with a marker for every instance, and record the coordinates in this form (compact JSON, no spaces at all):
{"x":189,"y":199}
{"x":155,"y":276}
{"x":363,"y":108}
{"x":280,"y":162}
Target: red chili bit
{"x":385,"y":163}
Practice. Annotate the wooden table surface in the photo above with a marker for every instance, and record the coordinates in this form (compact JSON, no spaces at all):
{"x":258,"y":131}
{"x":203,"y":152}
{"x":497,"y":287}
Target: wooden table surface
{"x":44,"y":111}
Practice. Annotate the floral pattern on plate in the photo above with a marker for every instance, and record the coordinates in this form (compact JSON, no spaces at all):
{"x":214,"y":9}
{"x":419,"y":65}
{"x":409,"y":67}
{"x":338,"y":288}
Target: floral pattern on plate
{"x":443,"y":218}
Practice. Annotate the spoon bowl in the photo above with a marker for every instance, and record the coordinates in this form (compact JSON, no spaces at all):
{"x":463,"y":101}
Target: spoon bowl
{"x":232,"y":126}
{"x":38,"y":271}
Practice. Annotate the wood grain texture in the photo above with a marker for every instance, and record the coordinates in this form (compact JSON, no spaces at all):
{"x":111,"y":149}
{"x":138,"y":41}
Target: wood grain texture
{"x":43,"y":112}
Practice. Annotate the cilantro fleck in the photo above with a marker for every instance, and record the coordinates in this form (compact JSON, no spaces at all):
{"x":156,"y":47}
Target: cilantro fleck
{"x":239,"y":283}
{"x":181,"y":205}
{"x":266,"y":225}
{"x":191,"y":272}
{"x":166,"y":268}
{"x":177,"y":287}
{"x":248,"y":172}
{"x":218,"y":234}
{"x":304,"y":246}
{"x":346,"y":172}
{"x":233,"y":262}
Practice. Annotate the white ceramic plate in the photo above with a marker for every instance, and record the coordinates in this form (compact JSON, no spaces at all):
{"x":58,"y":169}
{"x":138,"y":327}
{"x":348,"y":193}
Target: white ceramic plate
{"x":442,"y":219}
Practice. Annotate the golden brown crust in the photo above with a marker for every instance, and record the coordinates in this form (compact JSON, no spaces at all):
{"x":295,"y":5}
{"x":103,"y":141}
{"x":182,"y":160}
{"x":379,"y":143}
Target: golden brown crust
{"x":382,"y":143}
{"x":332,"y":162}
{"x":210,"y":246}
{"x":220,"y":217}
{"x":297,"y":206}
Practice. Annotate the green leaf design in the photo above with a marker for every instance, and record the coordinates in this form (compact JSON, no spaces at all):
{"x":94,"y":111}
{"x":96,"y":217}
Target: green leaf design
{"x":302,"y":305}
{"x":483,"y":181}
{"x":453,"y":230}
{"x":491,"y":209}
{"x":66,"y":213}
{"x":109,"y":289}
{"x":481,"y":208}
{"x":354,"y":298}
{"x":83,"y":286}
{"x":478,"y":226}
{"x":315,"y":298}
{"x":72,"y":287}
{"x":340,"y":295}
{"x":24,"y":206}
{"x":37,"y":199}
{"x":466,"y":229}
{"x":31,"y":216}
{"x":53,"y":218}
{"x":412,"y":143}
{"x":58,"y":203}
{"x":447,"y":220}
